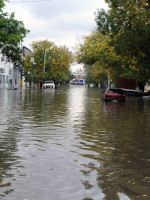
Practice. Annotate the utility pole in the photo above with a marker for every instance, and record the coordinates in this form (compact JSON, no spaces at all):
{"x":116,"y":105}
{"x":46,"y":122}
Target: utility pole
{"x":44,"y":62}
{"x":32,"y":61}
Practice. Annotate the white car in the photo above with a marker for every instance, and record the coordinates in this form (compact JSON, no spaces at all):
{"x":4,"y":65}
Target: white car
{"x":48,"y":85}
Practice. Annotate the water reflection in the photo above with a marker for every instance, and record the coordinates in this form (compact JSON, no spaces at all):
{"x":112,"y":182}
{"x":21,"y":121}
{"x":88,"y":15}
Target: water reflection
{"x":120,"y":148}
{"x":113,"y":106}
{"x":69,"y":144}
{"x":76,"y":105}
{"x":10,"y":118}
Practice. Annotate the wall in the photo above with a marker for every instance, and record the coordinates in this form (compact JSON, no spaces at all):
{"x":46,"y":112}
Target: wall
{"x":126,"y":84}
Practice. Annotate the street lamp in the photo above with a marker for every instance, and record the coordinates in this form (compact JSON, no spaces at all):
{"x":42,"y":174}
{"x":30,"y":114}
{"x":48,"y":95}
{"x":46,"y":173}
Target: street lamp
{"x":109,"y":82}
{"x":44,"y":61}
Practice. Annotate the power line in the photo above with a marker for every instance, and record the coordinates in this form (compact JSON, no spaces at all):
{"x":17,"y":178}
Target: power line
{"x":29,"y":1}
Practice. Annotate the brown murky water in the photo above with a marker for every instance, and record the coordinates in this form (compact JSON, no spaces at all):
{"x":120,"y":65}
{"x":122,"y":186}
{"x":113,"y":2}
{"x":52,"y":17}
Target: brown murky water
{"x":68,"y":144}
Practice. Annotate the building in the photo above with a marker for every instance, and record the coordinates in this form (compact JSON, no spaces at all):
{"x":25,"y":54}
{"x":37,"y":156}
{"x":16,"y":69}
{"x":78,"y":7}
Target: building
{"x":25,"y":52}
{"x":11,"y":74}
{"x":79,"y":79}
{"x":79,"y":74}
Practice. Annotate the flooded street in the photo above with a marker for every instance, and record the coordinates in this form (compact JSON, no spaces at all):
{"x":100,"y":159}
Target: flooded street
{"x":68,"y":144}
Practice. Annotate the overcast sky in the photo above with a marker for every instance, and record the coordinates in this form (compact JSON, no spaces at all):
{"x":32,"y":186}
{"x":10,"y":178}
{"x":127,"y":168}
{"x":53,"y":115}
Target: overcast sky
{"x":59,"y":21}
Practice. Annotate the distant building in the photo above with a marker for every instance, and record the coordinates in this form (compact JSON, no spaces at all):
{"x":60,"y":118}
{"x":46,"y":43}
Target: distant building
{"x":79,"y":79}
{"x":25,"y":51}
{"x":79,"y":74}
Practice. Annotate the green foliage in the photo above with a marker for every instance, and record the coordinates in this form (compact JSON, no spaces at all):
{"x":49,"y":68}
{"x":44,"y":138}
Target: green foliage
{"x":51,"y":62}
{"x":103,"y":21}
{"x":12,"y":32}
{"x":100,"y":58}
{"x":128,"y":25}
{"x":95,"y":75}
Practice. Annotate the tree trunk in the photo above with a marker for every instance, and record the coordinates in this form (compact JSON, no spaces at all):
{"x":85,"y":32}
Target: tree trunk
{"x":95,"y":84}
{"x":41,"y":84}
{"x":141,"y":86}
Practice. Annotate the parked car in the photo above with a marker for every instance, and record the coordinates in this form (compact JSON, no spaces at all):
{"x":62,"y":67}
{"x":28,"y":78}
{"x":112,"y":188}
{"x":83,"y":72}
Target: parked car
{"x":49,"y":84}
{"x":114,"y":94}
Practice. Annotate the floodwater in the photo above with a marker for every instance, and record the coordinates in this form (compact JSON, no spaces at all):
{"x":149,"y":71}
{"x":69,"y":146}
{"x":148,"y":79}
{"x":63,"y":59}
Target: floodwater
{"x":68,"y":144}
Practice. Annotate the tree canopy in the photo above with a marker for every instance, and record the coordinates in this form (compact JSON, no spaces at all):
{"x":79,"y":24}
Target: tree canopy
{"x":128,"y":25}
{"x":99,"y":58}
{"x":12,"y":33}
{"x":50,"y":62}
{"x":89,"y":53}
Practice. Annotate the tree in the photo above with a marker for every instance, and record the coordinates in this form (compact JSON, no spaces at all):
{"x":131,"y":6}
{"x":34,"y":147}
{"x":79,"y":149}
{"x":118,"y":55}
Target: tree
{"x":90,"y":53}
{"x":51,"y":62}
{"x":99,"y":58}
{"x":12,"y":33}
{"x":128,"y":24}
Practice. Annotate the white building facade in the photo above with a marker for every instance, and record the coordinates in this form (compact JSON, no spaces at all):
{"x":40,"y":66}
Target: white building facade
{"x":11,"y":74}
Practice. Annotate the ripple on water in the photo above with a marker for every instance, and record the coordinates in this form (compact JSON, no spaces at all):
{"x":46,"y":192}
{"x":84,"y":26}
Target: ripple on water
{"x":69,"y":144}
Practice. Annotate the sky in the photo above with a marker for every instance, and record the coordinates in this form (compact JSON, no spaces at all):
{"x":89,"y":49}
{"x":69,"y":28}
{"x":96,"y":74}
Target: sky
{"x":63,"y":22}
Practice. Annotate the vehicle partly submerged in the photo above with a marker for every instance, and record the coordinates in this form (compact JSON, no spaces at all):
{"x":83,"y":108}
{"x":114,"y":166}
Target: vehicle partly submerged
{"x":114,"y":94}
{"x":49,"y":84}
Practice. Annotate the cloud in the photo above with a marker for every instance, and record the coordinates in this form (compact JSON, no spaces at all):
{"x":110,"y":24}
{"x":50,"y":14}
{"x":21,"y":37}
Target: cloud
{"x":59,"y":21}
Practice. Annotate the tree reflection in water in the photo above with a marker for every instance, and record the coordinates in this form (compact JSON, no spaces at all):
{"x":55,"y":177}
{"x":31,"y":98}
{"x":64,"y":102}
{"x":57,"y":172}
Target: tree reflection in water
{"x":69,"y":144}
{"x":118,"y":139}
